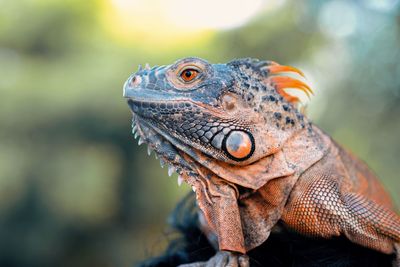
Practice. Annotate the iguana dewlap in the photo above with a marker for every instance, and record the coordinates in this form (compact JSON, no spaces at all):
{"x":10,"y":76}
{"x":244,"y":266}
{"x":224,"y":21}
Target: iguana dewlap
{"x":235,"y":135}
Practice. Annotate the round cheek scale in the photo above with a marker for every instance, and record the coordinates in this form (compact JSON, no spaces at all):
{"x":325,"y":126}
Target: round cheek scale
{"x":239,"y":145}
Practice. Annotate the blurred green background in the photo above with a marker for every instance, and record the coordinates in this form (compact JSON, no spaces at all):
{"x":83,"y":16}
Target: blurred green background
{"x":76,"y":190}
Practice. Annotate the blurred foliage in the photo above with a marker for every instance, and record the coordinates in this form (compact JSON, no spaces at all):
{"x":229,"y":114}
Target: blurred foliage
{"x":76,"y":191}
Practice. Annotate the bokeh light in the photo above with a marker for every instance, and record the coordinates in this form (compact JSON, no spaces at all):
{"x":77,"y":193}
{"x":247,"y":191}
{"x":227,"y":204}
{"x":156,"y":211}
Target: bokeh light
{"x":338,"y":18}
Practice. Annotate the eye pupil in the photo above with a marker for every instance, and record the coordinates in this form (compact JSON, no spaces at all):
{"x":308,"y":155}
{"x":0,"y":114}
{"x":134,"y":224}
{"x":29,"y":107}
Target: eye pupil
{"x":189,"y":74}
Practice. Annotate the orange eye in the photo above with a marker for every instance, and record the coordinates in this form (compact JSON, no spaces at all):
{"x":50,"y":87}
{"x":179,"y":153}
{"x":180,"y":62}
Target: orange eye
{"x":189,"y":74}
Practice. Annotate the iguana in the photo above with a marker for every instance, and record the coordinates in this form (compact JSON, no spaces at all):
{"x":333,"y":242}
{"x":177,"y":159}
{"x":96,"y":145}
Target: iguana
{"x":235,"y":134}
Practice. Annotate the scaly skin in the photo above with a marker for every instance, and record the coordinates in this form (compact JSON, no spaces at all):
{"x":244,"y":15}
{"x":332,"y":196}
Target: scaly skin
{"x":234,"y":134}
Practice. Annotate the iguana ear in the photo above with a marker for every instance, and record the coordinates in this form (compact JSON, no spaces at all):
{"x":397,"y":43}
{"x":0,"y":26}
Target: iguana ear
{"x":280,"y":83}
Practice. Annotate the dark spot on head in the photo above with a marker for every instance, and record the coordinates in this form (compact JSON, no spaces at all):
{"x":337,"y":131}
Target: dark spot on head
{"x":287,"y":120}
{"x":278,"y":115}
{"x":300,"y":116}
{"x":269,"y":98}
{"x":285,"y":107}
{"x":250,"y":97}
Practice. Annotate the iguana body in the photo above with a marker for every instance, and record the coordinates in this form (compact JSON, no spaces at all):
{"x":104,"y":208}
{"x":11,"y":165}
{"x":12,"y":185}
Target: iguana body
{"x":233,"y":133}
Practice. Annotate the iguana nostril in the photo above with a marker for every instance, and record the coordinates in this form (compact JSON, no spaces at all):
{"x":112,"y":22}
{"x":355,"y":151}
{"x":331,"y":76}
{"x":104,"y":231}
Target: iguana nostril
{"x":135,"y":81}
{"x":239,"y":145}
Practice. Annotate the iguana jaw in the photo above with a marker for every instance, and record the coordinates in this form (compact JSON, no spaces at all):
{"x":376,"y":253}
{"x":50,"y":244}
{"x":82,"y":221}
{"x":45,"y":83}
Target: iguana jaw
{"x":170,"y":151}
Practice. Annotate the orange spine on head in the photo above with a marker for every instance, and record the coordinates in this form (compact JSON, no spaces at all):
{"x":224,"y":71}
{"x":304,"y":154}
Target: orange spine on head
{"x":283,"y":82}
{"x":279,"y":69}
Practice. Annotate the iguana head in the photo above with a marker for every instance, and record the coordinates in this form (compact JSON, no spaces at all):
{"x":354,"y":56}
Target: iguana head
{"x":234,"y":113}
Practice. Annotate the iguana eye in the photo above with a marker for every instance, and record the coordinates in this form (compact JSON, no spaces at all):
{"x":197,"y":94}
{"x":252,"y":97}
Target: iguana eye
{"x":189,"y":74}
